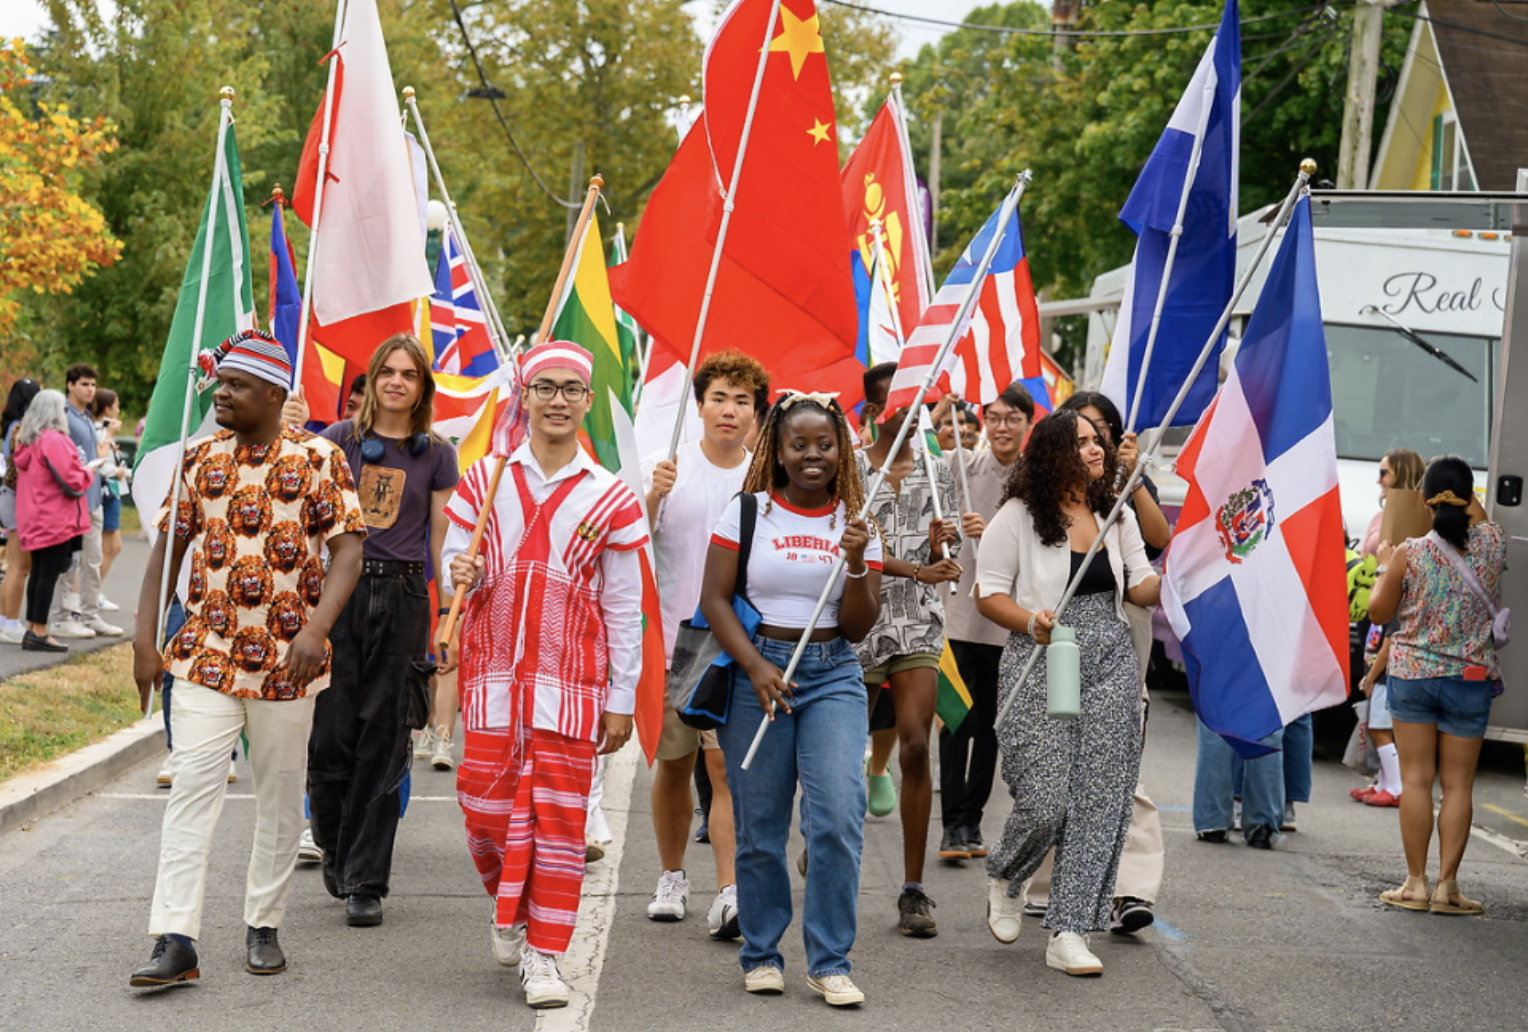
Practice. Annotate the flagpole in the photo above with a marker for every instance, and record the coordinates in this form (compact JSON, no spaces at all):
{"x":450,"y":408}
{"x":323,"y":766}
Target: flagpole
{"x":920,"y":238}
{"x":1172,"y":256}
{"x":957,"y":327}
{"x":214,"y":201}
{"x":318,"y":190}
{"x":645,"y":359}
{"x":447,"y":628}
{"x":474,"y":271}
{"x":925,"y":427}
{"x":1146,"y":458}
{"x":721,"y":232}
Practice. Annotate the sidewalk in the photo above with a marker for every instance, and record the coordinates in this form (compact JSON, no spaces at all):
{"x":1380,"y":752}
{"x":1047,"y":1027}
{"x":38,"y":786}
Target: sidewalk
{"x":29,"y":796}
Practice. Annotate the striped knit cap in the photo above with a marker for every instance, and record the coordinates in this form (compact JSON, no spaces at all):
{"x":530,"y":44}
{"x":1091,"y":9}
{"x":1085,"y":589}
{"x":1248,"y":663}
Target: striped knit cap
{"x":255,"y":352}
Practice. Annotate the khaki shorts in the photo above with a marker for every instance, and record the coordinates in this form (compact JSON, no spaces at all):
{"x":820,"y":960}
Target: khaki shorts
{"x":680,"y":739}
{"x":897,"y":664}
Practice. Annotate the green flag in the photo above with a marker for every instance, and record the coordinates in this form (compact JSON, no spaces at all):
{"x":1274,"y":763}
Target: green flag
{"x":227,"y":304}
{"x":586,"y":315}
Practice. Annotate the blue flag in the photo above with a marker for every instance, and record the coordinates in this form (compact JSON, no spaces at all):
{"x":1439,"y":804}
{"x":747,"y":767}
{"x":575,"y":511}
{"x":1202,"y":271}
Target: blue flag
{"x":285,"y":306}
{"x":1204,"y":268}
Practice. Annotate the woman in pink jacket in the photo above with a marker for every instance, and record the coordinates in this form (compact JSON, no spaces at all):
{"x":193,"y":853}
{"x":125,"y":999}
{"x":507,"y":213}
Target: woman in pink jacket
{"x":50,"y":508}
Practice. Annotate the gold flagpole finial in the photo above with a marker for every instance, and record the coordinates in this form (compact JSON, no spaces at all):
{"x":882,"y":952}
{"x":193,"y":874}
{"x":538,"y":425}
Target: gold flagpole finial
{"x":226,"y":93}
{"x":1308,"y":166}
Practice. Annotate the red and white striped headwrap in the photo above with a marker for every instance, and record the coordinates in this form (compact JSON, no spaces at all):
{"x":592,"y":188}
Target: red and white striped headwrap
{"x":556,"y":354}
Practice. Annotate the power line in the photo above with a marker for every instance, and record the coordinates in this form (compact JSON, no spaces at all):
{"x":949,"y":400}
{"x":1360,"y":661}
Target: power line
{"x":492,"y":96}
{"x":1069,"y":33}
{"x":1517,"y":41}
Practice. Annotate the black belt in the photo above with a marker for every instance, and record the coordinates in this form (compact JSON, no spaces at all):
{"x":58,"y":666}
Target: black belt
{"x":391,"y":568}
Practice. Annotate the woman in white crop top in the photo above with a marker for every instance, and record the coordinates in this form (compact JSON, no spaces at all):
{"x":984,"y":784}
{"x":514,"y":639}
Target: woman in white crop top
{"x":807,"y":488}
{"x":1071,"y":781}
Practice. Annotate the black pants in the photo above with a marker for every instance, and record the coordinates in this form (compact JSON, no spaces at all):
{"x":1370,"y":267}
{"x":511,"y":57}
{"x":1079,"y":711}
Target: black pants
{"x":359,"y":752}
{"x":968,"y":757}
{"x":48,"y":565}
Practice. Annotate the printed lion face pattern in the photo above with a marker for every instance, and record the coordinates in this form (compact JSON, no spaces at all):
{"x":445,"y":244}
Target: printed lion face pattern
{"x":258,"y":518}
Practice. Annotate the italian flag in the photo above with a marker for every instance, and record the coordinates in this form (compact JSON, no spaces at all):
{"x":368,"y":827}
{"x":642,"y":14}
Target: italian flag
{"x":586,"y":315}
{"x":211,"y":308}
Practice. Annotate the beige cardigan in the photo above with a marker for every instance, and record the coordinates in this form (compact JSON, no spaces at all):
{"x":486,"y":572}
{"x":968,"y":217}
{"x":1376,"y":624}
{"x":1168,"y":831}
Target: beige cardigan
{"x":1011,"y":560}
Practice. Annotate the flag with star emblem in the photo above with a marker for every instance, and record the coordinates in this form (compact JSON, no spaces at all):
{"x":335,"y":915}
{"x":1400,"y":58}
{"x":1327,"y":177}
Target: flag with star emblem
{"x":783,"y":290}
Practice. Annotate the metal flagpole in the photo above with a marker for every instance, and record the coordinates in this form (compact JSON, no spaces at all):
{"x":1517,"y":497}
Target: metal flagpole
{"x":721,"y":232}
{"x":214,"y":202}
{"x":920,"y":238}
{"x":1146,"y":458}
{"x":1172,"y":255}
{"x":925,"y":427}
{"x":318,"y":190}
{"x":645,"y":358}
{"x":474,"y":271}
{"x":1005,"y":213}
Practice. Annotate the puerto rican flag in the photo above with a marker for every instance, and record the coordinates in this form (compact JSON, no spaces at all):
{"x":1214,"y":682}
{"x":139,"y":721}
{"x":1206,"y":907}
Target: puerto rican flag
{"x":1255,"y":583}
{"x":1001,"y":342}
{"x":458,"y":329}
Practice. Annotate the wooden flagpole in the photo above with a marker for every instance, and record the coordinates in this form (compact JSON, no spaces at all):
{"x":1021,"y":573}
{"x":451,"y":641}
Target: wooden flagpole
{"x":447,"y":628}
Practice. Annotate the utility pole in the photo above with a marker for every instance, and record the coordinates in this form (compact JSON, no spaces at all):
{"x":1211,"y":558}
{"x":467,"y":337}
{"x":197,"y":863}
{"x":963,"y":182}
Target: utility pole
{"x":933,"y":180}
{"x":1063,"y":19}
{"x":575,"y":190}
{"x":1358,"y":109}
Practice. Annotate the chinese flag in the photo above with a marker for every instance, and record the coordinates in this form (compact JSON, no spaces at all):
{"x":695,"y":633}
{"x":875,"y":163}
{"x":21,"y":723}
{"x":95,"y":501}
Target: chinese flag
{"x":784,"y":291}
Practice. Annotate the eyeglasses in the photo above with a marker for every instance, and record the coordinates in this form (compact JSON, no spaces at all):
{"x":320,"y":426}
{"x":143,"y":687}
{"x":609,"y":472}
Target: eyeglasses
{"x":1005,"y":421}
{"x":574,"y":392}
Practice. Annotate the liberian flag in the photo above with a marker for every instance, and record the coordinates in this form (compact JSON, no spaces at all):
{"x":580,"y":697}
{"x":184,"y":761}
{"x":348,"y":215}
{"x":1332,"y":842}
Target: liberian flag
{"x":458,"y":329}
{"x":1255,"y":584}
{"x":1001,"y":342}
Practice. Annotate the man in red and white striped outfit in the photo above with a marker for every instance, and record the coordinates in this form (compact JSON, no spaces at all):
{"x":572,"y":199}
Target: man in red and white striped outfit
{"x":551,"y":651}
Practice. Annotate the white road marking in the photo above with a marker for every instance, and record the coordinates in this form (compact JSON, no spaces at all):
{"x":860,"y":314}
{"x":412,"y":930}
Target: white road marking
{"x":163,"y":795}
{"x":582,"y":964}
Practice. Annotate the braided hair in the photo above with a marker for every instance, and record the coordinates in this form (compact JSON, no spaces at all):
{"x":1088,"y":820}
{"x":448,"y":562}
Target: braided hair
{"x":767,"y":473}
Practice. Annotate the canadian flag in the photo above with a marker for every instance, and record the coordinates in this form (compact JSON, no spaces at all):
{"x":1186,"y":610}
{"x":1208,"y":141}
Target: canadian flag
{"x":369,"y":247}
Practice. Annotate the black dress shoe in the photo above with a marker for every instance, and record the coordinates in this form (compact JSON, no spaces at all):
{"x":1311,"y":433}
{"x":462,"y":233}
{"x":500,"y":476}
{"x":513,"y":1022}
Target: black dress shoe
{"x":1260,"y":836}
{"x":265,"y":956}
{"x":363,"y":911}
{"x":168,"y":964}
{"x":40,"y":643}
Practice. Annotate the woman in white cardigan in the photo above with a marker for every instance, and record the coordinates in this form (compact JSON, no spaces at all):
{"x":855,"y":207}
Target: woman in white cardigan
{"x":1071,"y":780}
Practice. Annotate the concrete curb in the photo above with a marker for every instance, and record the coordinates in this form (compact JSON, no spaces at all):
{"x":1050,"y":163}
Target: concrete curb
{"x":25,"y":798}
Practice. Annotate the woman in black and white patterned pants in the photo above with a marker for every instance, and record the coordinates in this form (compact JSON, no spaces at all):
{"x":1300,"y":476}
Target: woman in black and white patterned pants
{"x":1072,"y":780}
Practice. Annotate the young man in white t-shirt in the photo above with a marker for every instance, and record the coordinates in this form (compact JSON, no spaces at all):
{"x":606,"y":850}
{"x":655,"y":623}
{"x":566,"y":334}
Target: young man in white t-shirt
{"x":685,"y":497}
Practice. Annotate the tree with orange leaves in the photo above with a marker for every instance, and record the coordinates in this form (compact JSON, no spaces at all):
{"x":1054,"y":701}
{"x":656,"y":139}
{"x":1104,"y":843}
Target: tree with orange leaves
{"x":50,"y":237}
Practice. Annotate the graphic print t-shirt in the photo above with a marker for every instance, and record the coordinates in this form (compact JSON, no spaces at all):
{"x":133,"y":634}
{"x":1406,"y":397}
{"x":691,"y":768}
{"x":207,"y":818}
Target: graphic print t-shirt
{"x":395,"y":493}
{"x":257,"y":518}
{"x":793,"y":553}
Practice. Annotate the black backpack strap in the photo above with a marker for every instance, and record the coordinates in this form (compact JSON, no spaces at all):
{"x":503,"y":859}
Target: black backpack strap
{"x":747,"y":520}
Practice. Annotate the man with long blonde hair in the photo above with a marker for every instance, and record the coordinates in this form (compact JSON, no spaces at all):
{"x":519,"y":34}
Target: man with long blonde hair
{"x":359,"y":752}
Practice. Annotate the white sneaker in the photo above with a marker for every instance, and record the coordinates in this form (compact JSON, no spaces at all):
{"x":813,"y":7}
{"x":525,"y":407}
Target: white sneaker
{"x":1069,"y":952}
{"x":104,"y":629}
{"x":70,"y":628}
{"x":508,"y":944}
{"x":106,"y":605}
{"x":837,"y":990}
{"x":766,"y":980}
{"x":233,"y":772}
{"x":670,"y":898}
{"x":307,"y":850}
{"x":424,"y":744}
{"x":11,"y":634}
{"x":544,"y":986}
{"x":441,"y":758}
{"x":723,"y":916}
{"x":1005,"y":913}
{"x":166,"y":776}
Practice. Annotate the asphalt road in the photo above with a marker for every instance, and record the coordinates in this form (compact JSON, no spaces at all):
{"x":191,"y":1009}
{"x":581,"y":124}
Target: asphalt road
{"x":1289,"y":939}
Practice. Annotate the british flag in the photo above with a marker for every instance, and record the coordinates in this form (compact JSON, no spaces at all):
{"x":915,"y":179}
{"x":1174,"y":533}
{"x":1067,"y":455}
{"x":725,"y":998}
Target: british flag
{"x":458,"y":329}
{"x":1001,"y":341}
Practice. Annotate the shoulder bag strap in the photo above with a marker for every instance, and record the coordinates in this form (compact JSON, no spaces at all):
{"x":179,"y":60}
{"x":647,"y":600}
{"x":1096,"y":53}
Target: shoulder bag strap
{"x":62,"y":484}
{"x":747,"y":520}
{"x":1463,"y":569}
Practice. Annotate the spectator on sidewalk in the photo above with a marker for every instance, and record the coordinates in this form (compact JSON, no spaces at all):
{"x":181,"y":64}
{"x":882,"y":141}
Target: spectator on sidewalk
{"x":114,"y":480}
{"x":76,"y":609}
{"x":258,"y":503}
{"x":17,"y":562}
{"x":51,"y":513}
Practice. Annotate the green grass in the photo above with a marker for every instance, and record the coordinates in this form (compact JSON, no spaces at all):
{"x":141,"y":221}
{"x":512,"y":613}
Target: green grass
{"x":49,"y":713}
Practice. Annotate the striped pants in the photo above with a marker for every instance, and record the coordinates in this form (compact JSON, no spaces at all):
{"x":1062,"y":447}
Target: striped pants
{"x":525,"y":829}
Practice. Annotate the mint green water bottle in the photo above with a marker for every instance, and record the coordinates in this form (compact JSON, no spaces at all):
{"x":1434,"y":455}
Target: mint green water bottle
{"x":1063,"y":675}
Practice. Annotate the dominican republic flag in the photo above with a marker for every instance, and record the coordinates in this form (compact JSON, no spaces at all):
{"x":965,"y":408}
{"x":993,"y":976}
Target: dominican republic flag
{"x":1204,"y":268}
{"x":1001,"y":342}
{"x":457,"y":326}
{"x":1256,"y":585}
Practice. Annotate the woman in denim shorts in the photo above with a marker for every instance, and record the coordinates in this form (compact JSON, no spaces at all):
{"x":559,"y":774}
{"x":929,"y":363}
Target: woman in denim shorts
{"x":1443,"y":675}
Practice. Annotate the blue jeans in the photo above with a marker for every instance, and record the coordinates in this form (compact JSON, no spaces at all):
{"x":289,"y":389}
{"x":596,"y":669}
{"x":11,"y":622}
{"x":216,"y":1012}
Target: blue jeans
{"x":1299,"y":740}
{"x":821,"y":745}
{"x":1263,"y":795}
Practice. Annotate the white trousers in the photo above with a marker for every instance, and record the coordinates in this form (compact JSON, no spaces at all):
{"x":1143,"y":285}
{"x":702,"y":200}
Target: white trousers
{"x":205,"y":725}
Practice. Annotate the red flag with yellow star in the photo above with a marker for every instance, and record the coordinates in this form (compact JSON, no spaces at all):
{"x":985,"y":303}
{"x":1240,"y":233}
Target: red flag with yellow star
{"x":784,"y":288}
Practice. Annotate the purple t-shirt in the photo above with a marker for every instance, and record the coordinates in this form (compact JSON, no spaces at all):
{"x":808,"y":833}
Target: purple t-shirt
{"x":395,"y":493}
